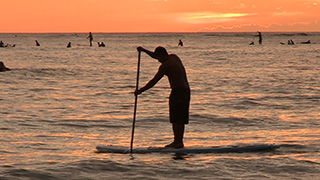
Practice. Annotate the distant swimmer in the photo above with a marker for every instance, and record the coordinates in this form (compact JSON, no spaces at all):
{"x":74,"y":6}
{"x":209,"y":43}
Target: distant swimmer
{"x":101,"y":44}
{"x":37,"y":43}
{"x":3,"y":67}
{"x":90,"y":37}
{"x":6,"y":45}
{"x":290,"y":42}
{"x":260,"y":37}
{"x":180,"y":43}
{"x":69,"y":45}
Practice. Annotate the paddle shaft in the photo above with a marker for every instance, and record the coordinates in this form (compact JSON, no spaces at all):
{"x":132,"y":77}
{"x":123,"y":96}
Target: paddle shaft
{"x":253,"y":37}
{"x":135,"y":104}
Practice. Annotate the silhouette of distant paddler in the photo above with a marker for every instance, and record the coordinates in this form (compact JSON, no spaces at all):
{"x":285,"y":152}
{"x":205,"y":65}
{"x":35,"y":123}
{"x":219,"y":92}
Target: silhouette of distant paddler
{"x":3,"y":67}
{"x":69,"y":45}
{"x":260,"y":37}
{"x":90,"y":37}
{"x":37,"y":43}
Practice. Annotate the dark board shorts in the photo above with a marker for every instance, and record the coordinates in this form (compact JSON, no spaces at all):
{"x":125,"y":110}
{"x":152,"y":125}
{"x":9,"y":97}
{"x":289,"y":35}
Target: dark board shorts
{"x":179,"y":103}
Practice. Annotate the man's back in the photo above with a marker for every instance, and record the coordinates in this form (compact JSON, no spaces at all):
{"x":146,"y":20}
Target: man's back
{"x":176,"y":72}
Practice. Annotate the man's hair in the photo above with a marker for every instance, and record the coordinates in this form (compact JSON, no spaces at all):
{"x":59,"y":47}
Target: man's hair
{"x":160,"y":51}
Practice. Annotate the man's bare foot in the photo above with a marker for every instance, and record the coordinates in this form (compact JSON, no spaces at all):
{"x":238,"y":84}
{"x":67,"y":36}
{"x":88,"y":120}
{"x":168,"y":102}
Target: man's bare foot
{"x":175,"y":145}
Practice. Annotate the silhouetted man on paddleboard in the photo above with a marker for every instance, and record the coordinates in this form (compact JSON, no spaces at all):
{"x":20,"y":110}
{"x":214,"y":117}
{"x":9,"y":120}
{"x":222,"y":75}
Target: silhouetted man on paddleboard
{"x":260,"y":37}
{"x":179,"y":100}
{"x":90,"y":37}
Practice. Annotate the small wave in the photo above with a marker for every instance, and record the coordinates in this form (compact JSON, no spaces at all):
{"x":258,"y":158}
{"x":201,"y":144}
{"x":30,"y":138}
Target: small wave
{"x":46,"y":72}
{"x":7,"y":152}
{"x":110,"y":126}
{"x":294,"y":97}
{"x":227,"y":34}
{"x":250,"y":103}
{"x":297,"y":146}
{"x":290,"y":34}
{"x":72,"y":125}
{"x":294,"y":148}
{"x":101,"y":165}
{"x":230,"y":121}
{"x":101,"y":94}
{"x":29,"y":174}
{"x":42,"y":89}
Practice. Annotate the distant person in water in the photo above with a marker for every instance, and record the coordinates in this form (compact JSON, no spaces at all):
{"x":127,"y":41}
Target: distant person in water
{"x":179,"y":99}
{"x":101,"y":44}
{"x":290,"y":42}
{"x":6,"y":45}
{"x":37,"y":43}
{"x":180,"y":43}
{"x":260,"y":37}
{"x":3,"y":67}
{"x":90,"y":37}
{"x":69,"y":45}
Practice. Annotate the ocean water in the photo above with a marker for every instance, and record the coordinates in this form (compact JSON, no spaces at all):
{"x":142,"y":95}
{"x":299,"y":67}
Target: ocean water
{"x":57,"y":104}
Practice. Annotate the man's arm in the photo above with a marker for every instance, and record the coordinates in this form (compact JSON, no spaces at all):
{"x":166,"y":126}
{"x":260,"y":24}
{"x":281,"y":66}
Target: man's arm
{"x":150,"y":53}
{"x":152,"y":82}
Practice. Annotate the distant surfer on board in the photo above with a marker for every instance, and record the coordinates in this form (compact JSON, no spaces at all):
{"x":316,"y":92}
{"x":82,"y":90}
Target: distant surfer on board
{"x":179,"y":99}
{"x":90,"y":37}
{"x":260,"y":37}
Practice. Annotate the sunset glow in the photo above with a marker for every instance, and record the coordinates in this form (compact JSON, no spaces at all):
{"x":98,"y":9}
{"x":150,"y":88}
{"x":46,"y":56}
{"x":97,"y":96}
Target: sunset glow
{"x":159,"y":15}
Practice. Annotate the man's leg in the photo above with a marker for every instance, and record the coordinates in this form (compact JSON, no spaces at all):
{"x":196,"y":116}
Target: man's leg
{"x":178,"y":132}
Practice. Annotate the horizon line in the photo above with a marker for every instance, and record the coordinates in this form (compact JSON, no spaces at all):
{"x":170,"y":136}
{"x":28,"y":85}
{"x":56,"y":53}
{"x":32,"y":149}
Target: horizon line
{"x":169,"y":32}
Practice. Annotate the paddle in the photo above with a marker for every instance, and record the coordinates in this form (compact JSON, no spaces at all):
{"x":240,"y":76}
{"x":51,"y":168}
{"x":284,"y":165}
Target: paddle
{"x":135,"y":103}
{"x":253,"y":38}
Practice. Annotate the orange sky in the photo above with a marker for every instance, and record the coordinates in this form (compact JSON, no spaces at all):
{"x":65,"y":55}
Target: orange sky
{"x":159,"y":15}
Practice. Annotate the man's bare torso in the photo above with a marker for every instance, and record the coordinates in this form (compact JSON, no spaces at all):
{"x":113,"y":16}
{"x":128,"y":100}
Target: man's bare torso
{"x":174,"y":69}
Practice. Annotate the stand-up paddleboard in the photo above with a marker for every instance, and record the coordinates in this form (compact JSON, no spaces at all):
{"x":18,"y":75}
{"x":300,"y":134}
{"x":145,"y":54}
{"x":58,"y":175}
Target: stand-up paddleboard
{"x":124,"y":150}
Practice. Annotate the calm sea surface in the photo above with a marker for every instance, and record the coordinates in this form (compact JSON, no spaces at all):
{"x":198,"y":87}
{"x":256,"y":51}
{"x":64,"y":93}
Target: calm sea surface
{"x":57,"y":104}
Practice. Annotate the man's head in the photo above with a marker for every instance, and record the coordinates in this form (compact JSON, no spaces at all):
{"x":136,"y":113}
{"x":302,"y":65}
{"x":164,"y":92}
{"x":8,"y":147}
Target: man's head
{"x":161,"y":53}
